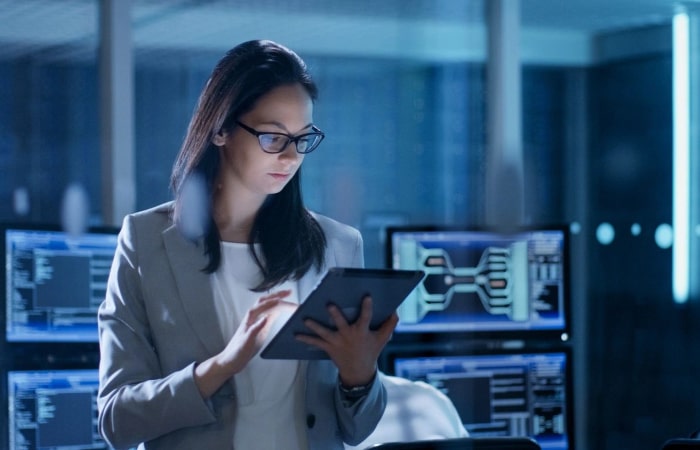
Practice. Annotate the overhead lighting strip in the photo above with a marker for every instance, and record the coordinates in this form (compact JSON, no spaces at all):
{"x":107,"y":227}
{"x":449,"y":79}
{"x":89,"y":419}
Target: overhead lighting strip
{"x":681,"y":157}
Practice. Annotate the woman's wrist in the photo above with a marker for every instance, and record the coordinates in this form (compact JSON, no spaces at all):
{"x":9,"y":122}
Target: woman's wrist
{"x":357,"y":377}
{"x":356,"y":390}
{"x":210,"y":375}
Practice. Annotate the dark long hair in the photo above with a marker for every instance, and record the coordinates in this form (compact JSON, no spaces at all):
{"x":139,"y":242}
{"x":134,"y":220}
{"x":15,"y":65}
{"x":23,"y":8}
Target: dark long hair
{"x":291,"y":240}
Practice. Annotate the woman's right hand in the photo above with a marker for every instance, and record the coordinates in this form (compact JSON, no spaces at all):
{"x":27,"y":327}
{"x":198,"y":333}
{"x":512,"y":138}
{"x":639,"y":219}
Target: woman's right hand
{"x":211,"y":374}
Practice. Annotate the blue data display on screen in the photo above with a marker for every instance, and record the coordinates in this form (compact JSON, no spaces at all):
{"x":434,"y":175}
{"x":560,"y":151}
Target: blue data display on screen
{"x":483,"y":281}
{"x":53,"y":409}
{"x":54,"y":284}
{"x":525,"y":394}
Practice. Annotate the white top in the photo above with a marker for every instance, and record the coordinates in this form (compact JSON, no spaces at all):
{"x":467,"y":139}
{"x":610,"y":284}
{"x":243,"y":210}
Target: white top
{"x":269,"y":393}
{"x":415,"y":411}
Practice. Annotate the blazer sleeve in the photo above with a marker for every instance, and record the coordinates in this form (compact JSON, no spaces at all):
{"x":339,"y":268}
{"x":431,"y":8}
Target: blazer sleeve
{"x":136,"y":402}
{"x":357,"y":419}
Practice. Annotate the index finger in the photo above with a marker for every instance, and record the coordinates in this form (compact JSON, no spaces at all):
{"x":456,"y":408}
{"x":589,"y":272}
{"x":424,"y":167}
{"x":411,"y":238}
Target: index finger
{"x":366,"y":311}
{"x":275,"y":296}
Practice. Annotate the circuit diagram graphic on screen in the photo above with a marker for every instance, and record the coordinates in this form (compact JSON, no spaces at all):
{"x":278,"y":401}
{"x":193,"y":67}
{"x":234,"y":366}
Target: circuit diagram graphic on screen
{"x":482,"y":281}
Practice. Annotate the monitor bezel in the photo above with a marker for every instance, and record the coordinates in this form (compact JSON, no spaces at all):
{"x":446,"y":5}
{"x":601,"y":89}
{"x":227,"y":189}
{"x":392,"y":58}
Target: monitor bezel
{"x":431,"y":350}
{"x":5,"y":373}
{"x":50,"y":348}
{"x":562,"y":334}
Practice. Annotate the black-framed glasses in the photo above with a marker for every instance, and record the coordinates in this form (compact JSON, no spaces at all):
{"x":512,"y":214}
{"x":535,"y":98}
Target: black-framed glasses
{"x":277,"y":142}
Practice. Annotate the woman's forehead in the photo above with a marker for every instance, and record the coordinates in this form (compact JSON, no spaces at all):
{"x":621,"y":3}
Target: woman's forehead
{"x":288,"y":107}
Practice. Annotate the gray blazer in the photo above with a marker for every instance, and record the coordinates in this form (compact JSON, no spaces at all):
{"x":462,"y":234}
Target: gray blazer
{"x":159,"y":319}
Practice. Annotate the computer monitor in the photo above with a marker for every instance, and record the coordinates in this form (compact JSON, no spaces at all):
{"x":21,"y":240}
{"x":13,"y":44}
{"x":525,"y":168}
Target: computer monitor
{"x":502,"y":393}
{"x":54,"y":282}
{"x":492,"y":282}
{"x":53,"y":409}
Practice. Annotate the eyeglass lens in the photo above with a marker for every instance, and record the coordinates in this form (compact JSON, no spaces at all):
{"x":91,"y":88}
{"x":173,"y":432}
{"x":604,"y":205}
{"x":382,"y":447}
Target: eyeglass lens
{"x":276,"y":143}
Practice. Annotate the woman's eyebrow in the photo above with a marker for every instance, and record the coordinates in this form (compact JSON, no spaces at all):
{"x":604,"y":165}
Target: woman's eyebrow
{"x":282,"y":127}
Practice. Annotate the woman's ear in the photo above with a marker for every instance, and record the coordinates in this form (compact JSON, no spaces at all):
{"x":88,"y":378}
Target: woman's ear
{"x":219,"y":139}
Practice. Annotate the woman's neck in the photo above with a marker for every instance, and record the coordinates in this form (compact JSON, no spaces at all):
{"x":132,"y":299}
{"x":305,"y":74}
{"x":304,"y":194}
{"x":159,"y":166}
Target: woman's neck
{"x":234,"y":217}
{"x":235,"y":232}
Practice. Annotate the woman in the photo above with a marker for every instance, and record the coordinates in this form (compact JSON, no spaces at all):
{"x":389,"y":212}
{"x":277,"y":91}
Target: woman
{"x":191,"y":302}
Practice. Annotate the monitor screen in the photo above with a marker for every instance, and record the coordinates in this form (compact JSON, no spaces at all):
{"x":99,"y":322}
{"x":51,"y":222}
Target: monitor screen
{"x":54,"y":283}
{"x":503,"y":394}
{"x":53,"y":409}
{"x":483,"y":281}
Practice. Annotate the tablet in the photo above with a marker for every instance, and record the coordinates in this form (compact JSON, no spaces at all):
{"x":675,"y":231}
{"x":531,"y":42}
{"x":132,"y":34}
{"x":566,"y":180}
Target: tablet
{"x":344,"y":287}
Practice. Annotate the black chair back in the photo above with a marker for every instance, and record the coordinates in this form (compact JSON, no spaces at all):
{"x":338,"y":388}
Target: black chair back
{"x":682,"y":444}
{"x":491,"y":443}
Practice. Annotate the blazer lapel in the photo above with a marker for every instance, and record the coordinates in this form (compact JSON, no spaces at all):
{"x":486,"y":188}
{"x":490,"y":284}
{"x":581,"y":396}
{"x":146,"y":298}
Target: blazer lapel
{"x":187,"y":260}
{"x":310,"y":280}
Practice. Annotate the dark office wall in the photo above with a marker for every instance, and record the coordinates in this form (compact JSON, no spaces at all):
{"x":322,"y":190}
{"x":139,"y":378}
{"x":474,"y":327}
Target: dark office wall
{"x":49,"y":135}
{"x":642,"y":386}
{"x":164,"y":101}
{"x":544,"y":122}
{"x":417,"y":123}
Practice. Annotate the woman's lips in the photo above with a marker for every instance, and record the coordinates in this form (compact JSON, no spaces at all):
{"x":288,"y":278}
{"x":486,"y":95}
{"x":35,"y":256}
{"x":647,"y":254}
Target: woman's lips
{"x":279,"y":175}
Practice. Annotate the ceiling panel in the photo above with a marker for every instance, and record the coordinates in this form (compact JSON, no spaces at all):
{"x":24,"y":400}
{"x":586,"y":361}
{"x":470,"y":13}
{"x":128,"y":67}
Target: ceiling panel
{"x":369,"y":27}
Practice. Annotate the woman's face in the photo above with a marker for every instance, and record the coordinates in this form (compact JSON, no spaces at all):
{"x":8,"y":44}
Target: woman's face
{"x":246,"y":168}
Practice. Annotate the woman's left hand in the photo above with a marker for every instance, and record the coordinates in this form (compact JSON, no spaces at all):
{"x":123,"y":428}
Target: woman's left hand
{"x":353,"y":347}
